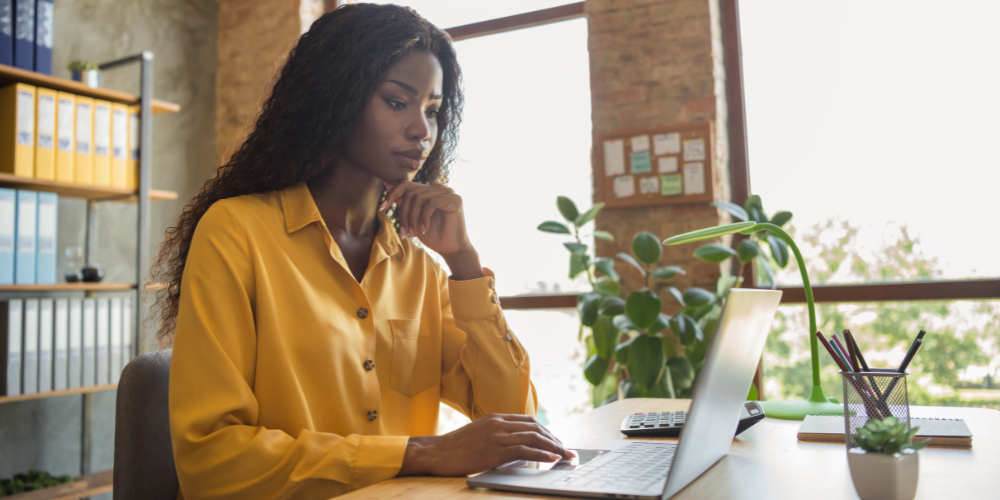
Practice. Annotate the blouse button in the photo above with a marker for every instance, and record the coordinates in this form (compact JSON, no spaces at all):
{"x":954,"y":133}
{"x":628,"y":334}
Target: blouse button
{"x":496,"y":300}
{"x":372,"y":415}
{"x":362,"y":313}
{"x":369,"y":365}
{"x":509,"y":336}
{"x":493,"y":283}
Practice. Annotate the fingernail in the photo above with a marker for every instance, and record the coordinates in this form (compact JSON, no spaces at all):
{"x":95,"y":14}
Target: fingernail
{"x":554,"y":457}
{"x":570,"y":453}
{"x":382,"y":206}
{"x":423,"y":229}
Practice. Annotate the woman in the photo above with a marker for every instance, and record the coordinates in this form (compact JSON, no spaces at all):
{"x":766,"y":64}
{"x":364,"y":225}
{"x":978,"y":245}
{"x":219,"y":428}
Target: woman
{"x":313,"y":339}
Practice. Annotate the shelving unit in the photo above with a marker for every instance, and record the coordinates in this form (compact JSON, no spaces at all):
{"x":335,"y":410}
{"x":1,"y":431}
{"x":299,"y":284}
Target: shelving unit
{"x":90,"y":482}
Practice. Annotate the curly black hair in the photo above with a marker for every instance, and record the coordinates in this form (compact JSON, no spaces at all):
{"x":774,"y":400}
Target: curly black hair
{"x":303,"y":126}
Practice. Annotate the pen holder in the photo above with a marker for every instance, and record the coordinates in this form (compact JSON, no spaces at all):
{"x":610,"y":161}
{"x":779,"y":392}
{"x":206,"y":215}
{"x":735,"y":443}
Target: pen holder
{"x":873,"y":394}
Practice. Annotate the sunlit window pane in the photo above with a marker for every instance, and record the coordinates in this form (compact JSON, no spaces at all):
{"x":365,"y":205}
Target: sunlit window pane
{"x":881,"y":117}
{"x":958,"y":365}
{"x":451,"y":13}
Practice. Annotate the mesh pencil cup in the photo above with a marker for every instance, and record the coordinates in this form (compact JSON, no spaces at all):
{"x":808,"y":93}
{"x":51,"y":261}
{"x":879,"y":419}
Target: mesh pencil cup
{"x":879,"y":393}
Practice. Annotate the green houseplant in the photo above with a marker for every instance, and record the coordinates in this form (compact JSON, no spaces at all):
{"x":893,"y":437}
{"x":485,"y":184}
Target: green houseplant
{"x":885,"y":464}
{"x":633,"y":348}
{"x":816,"y":403}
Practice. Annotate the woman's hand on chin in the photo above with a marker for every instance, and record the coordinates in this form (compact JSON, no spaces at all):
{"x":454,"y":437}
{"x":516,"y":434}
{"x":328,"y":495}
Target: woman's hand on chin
{"x":434,"y":214}
{"x":482,"y":445}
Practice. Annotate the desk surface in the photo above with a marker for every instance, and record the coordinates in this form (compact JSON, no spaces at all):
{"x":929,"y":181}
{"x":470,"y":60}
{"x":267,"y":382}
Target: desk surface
{"x":766,"y":461}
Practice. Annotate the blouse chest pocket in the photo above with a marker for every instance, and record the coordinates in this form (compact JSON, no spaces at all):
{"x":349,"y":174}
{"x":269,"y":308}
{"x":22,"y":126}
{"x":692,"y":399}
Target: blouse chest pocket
{"x":416,"y":364}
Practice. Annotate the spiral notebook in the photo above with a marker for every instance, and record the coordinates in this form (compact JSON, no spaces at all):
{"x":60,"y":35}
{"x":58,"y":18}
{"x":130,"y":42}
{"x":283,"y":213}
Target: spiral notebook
{"x":942,"y":431}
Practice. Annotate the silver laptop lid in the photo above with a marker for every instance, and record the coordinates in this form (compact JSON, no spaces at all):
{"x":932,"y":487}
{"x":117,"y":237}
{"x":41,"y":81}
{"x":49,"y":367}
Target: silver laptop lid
{"x":723,"y":384}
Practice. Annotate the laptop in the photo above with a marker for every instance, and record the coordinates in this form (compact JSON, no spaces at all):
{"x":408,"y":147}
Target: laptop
{"x":658,"y":470}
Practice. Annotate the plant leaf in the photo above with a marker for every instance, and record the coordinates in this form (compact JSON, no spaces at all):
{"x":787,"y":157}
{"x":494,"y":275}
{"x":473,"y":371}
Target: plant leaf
{"x":647,"y":247}
{"x":623,"y":323}
{"x":631,"y":260}
{"x":645,"y":359}
{"x":779,"y":250}
{"x":607,"y":286}
{"x":767,"y":274}
{"x":709,"y":233}
{"x":607,"y":267}
{"x":643,"y":307}
{"x":577,"y":264}
{"x":588,"y":215}
{"x":607,"y":389}
{"x":677,"y":295}
{"x":735,"y":210}
{"x":681,"y":372}
{"x":605,"y":337}
{"x":576,"y":248}
{"x":551,"y":226}
{"x":595,"y":369}
{"x":714,"y":253}
{"x":567,"y":208}
{"x":747,"y":250}
{"x":698,"y":297}
{"x":665,"y":273}
{"x":603,"y":235}
{"x":662,"y":323}
{"x":781,"y":218}
{"x":755,"y":209}
{"x":587,"y":306}
{"x":621,"y":352}
{"x":686,"y":329}
{"x":611,"y":306}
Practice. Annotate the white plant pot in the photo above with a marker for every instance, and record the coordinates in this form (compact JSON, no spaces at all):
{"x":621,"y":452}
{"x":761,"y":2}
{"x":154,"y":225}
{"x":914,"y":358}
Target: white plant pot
{"x":878,"y":476}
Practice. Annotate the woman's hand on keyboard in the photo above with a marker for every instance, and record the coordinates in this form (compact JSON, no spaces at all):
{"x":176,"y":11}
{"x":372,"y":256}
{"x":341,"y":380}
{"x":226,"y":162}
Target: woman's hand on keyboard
{"x":482,"y":445}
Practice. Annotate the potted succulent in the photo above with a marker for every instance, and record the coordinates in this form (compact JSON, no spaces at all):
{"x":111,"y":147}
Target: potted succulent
{"x":86,"y":72}
{"x":884,"y":464}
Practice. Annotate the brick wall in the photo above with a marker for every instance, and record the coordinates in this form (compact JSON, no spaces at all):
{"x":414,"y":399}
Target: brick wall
{"x":659,"y":62}
{"x":254,"y":37}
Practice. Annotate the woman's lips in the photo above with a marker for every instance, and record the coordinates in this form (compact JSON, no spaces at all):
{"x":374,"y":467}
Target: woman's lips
{"x":411,"y":161}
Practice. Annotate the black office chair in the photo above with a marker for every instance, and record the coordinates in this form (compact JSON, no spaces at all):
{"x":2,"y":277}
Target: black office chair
{"x":144,"y":460}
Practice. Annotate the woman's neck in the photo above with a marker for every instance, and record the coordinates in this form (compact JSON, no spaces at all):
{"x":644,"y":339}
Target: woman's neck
{"x":347,"y":199}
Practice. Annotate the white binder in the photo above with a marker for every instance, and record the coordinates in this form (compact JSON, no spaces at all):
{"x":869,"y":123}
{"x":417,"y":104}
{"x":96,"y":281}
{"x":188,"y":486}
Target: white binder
{"x":60,"y":367}
{"x":75,"y":322}
{"x":45,"y":345}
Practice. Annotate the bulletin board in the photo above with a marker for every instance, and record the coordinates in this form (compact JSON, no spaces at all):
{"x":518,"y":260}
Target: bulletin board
{"x":664,"y":165}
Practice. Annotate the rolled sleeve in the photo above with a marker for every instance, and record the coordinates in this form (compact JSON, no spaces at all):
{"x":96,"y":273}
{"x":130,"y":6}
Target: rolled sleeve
{"x":476,"y":298}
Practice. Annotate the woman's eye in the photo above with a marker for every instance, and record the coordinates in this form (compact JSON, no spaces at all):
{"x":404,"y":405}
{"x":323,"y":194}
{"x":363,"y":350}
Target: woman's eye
{"x":395,"y":104}
{"x":433,"y":113}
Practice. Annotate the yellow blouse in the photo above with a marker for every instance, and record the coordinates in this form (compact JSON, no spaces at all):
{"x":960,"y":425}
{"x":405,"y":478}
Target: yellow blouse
{"x":291,"y":379}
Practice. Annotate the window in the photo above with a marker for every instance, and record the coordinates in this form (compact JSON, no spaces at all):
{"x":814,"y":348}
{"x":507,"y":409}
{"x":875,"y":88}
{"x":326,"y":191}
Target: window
{"x":451,"y":13}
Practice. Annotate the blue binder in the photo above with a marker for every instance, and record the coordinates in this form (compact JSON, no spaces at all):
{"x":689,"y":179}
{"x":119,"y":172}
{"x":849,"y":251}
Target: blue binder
{"x":44,"y":22}
{"x":24,"y":34}
{"x":8,"y":223}
{"x":24,"y":260}
{"x":7,"y":32}
{"x":45,"y":260}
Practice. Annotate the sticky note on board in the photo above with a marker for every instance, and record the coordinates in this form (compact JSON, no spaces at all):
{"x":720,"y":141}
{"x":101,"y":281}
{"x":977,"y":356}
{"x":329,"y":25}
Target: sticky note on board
{"x":694,"y":149}
{"x":624,"y":186}
{"x":694,"y":178}
{"x":641,"y":162}
{"x":649,"y":185}
{"x":670,"y":185}
{"x":667,"y":144}
{"x":667,"y":164}
{"x":614,"y":157}
{"x":640,"y":143}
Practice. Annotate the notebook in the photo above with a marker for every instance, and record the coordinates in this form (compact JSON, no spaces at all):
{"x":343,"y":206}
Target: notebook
{"x":942,"y":431}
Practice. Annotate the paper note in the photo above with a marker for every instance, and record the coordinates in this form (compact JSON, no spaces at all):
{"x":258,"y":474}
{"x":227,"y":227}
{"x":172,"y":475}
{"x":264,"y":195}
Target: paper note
{"x":694,"y":178}
{"x":667,"y":144}
{"x":694,"y":149}
{"x":670,"y":185}
{"x":649,"y":185}
{"x":640,"y":162}
{"x":667,"y":164}
{"x":624,"y":186}
{"x":614,"y":157}
{"x":640,"y":143}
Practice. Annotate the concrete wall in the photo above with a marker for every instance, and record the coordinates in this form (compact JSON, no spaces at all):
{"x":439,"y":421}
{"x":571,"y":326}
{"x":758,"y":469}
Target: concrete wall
{"x":45,"y":434}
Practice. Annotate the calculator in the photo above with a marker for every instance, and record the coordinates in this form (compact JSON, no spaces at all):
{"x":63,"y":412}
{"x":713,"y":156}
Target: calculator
{"x":670,"y":423}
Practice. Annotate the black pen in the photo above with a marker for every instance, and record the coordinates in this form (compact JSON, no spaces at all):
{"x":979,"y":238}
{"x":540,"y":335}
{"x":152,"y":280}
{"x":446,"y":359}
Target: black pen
{"x":902,"y":369}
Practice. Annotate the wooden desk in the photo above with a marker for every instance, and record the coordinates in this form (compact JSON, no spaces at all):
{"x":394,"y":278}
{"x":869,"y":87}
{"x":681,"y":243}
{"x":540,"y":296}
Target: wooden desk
{"x":765,"y":462}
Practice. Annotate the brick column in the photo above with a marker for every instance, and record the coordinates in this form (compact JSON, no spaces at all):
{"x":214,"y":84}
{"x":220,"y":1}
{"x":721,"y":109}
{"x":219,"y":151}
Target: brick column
{"x":254,"y":37}
{"x":653,"y":63}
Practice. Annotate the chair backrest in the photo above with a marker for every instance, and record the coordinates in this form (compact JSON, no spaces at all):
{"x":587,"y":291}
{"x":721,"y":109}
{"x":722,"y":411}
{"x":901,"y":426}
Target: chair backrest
{"x":144,"y":460}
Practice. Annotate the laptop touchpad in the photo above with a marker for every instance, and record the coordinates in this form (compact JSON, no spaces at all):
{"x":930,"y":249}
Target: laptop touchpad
{"x":582,"y":457}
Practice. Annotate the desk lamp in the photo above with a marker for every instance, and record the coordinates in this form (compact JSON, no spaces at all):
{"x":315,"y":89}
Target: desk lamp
{"x":817,"y":403}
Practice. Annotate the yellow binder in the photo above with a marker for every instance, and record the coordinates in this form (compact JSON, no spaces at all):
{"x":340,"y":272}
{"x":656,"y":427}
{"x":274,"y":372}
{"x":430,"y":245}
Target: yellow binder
{"x":119,"y":145}
{"x":102,"y":143}
{"x":133,"y":147}
{"x":65,"y":136}
{"x":17,"y":130}
{"x":45,"y":134}
{"x":83,"y":160}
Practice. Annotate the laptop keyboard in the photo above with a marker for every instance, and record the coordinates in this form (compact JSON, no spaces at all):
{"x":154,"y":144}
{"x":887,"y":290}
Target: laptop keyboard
{"x":636,"y":467}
